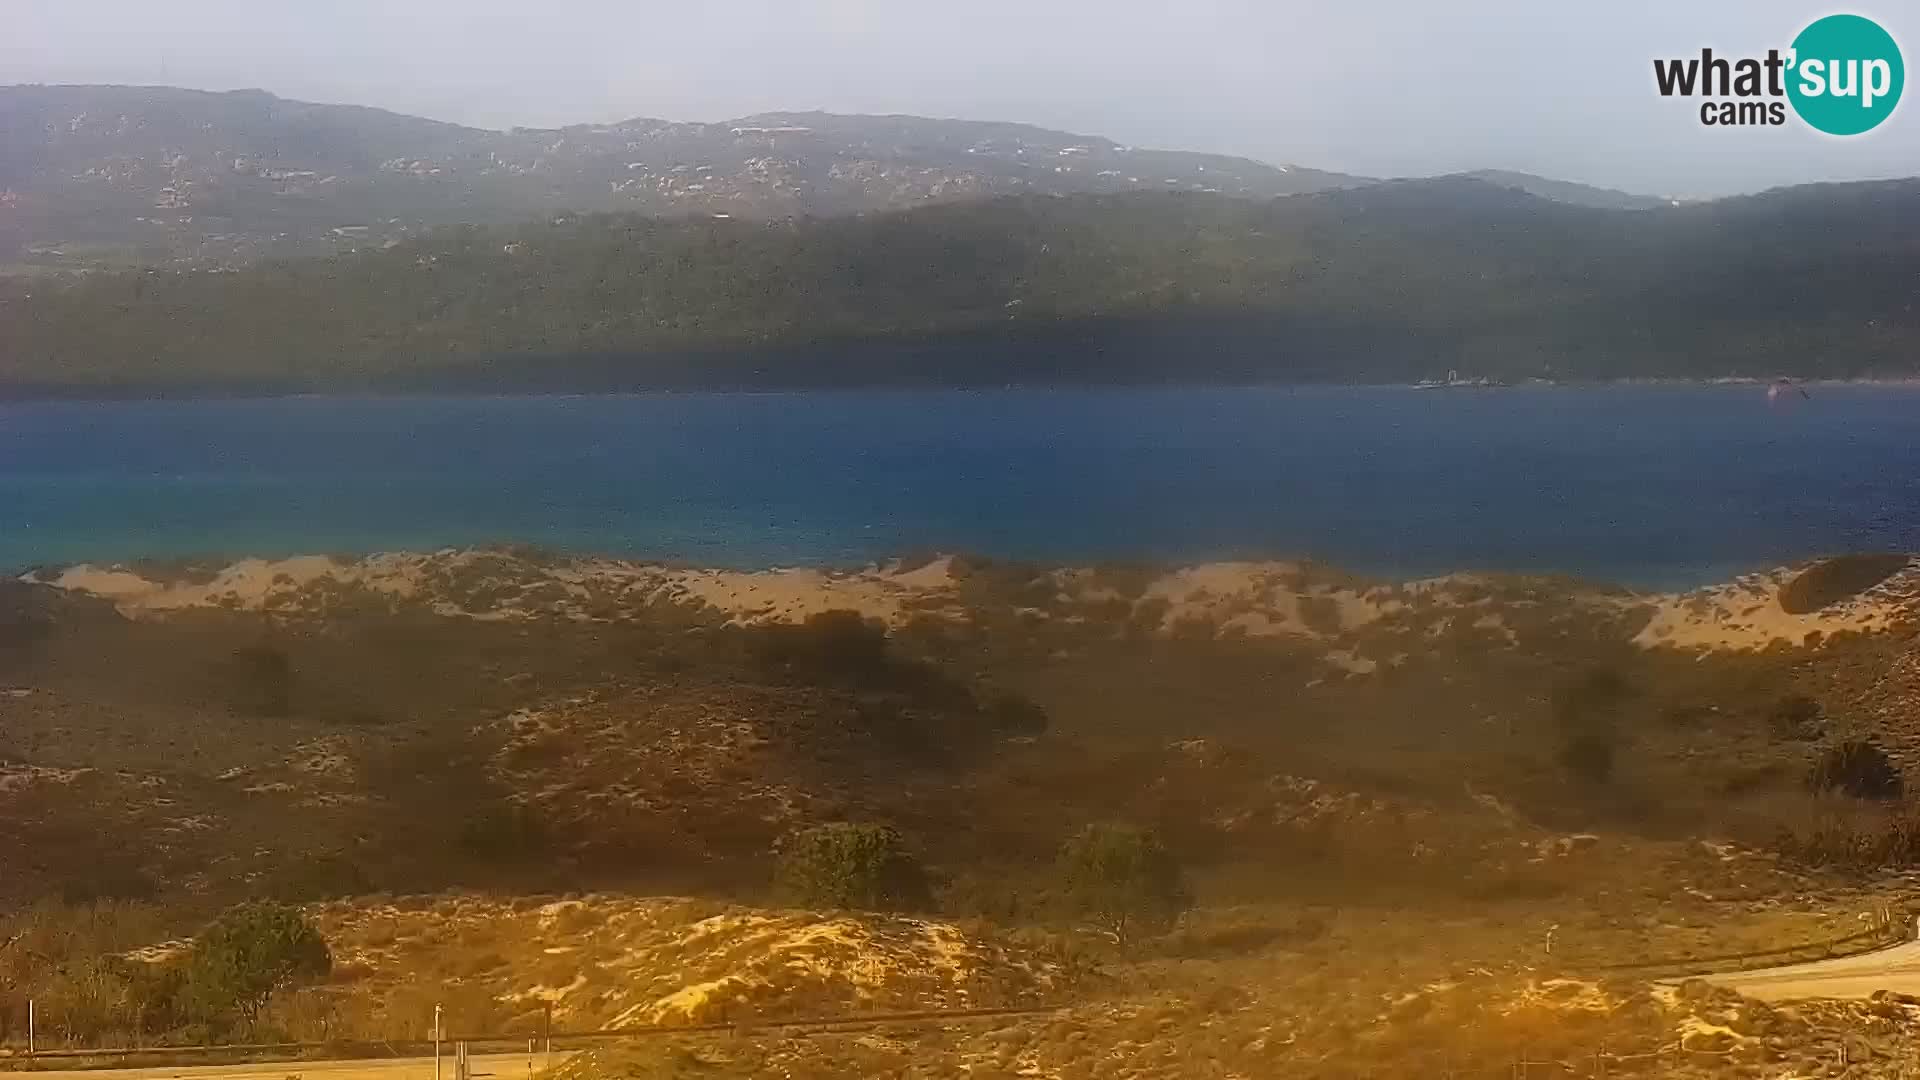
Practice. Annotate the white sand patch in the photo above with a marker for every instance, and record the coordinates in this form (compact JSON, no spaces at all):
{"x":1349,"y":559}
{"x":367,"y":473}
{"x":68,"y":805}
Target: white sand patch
{"x":248,"y":585}
{"x":120,"y":585}
{"x":793,"y":595}
{"x":552,"y":995}
{"x":933,"y":576}
{"x":1705,"y":1036}
{"x":689,"y":1004}
{"x":612,"y":962}
{"x":160,"y":953}
{"x":1291,"y":602}
{"x":324,"y":757}
{"x":1258,"y":599}
{"x":1745,"y":613}
{"x":15,"y":777}
{"x":1346,"y":660}
{"x":1499,"y":626}
{"x":1265,"y":599}
{"x":549,"y":914}
{"x":494,"y":586}
{"x":792,"y":952}
{"x":1571,"y":995}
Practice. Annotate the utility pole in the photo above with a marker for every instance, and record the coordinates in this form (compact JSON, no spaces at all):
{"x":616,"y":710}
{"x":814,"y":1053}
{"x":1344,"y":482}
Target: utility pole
{"x":436,"y":1041}
{"x":29,"y":1025}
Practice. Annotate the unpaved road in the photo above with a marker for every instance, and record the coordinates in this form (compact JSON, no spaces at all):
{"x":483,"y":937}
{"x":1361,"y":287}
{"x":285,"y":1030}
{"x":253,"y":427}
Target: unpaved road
{"x":495,"y":1066}
{"x":1896,"y":969}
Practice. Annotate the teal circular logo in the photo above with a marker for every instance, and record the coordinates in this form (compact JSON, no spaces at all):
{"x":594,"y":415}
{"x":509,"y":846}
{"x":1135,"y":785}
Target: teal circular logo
{"x":1846,"y":74}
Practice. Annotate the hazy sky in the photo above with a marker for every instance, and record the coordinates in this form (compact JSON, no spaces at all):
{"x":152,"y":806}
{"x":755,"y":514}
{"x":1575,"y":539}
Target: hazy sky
{"x":1380,"y":87}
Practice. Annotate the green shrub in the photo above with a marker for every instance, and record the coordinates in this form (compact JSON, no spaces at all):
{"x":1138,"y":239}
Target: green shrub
{"x":1123,"y":879}
{"x":1859,"y":768}
{"x":848,"y":865}
{"x":249,"y":954}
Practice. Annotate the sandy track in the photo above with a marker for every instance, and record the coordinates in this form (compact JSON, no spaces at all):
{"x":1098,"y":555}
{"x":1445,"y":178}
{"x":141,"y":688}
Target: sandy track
{"x":1896,"y":969}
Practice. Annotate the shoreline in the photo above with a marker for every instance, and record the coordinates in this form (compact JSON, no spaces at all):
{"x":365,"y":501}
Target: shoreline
{"x":174,"y":569}
{"x":173,"y":566}
{"x":10,"y":398}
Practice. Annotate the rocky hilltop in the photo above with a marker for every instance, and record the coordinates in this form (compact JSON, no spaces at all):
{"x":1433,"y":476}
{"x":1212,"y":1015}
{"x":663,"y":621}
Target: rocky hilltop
{"x":101,"y":175}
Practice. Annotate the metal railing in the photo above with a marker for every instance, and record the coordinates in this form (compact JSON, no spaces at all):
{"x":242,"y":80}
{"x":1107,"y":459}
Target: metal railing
{"x":1889,"y":927}
{"x":348,"y":1049}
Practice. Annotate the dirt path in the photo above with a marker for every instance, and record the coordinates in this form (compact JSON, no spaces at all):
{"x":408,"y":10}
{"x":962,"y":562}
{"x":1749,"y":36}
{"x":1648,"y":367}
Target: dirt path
{"x":1896,"y":969}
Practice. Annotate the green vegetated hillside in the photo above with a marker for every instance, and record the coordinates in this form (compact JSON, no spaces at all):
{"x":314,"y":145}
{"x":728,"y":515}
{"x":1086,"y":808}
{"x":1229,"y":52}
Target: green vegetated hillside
{"x":1389,"y":282}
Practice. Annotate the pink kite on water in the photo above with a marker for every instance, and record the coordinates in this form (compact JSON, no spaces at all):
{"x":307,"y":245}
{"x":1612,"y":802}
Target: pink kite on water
{"x":1784,"y":388}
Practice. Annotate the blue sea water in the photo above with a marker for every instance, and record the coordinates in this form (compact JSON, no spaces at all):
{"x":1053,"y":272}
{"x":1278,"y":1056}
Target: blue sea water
{"x":1647,"y":485}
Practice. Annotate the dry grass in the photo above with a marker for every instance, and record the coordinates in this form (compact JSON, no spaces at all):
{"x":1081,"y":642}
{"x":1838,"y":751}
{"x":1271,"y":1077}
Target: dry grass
{"x":1357,"y":833}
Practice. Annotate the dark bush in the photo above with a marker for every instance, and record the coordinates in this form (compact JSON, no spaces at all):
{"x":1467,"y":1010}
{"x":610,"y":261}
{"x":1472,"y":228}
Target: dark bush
{"x":501,"y":829}
{"x":318,"y":876}
{"x":1123,"y":879}
{"x":1795,"y":717}
{"x":847,"y":865}
{"x":891,"y":723}
{"x":1859,"y":768}
{"x":1012,"y":714}
{"x":1860,"y":840}
{"x":1840,"y":578}
{"x":261,"y":681}
{"x":1245,"y":937}
{"x":22,"y":622}
{"x":838,"y":645}
{"x":1589,"y":756}
{"x":108,"y":878}
{"x":1589,"y":698}
{"x":1748,"y":779}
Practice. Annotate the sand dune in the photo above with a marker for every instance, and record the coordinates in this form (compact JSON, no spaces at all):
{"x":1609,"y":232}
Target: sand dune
{"x":512,"y":587}
{"x":1279,"y":599}
{"x":1747,"y":613}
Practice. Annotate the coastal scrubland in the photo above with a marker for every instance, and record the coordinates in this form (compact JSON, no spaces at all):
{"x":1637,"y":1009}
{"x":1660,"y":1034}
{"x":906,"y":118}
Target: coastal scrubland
{"x":1261,"y":818}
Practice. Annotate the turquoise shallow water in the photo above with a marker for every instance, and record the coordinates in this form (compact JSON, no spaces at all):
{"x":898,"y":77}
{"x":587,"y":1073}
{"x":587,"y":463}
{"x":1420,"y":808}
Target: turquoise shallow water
{"x":1654,"y":486}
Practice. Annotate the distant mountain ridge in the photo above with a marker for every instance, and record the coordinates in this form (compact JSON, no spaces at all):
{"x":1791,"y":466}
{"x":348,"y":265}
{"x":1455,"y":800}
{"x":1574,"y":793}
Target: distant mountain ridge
{"x":107,"y":176}
{"x":1568,"y":192}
